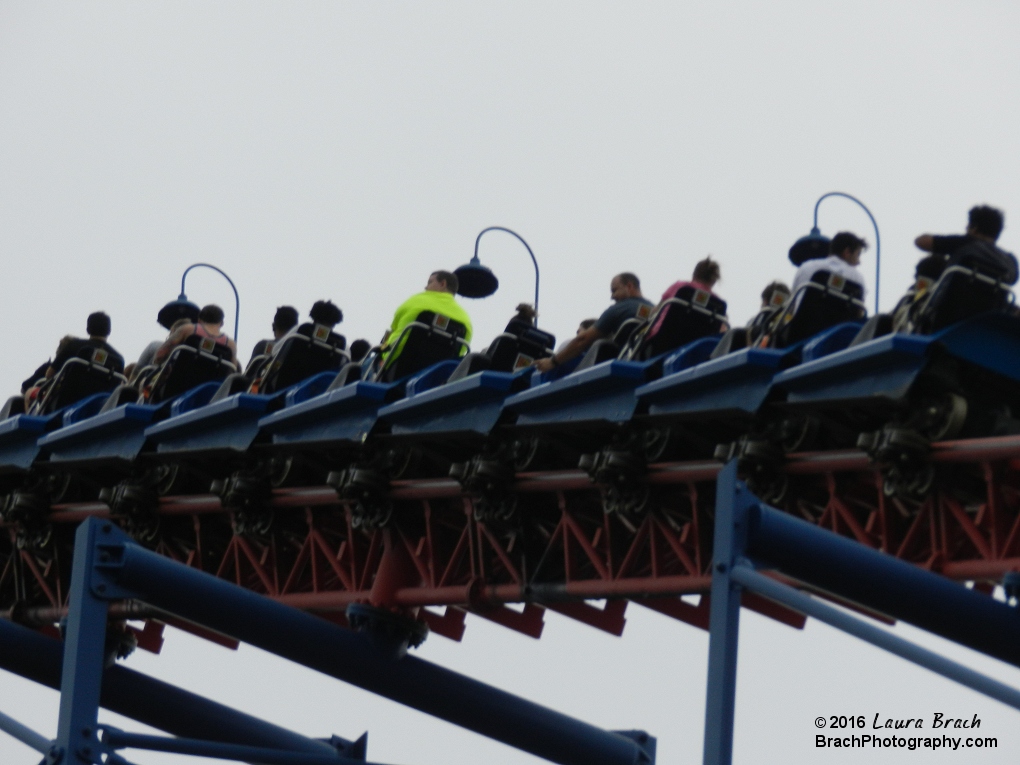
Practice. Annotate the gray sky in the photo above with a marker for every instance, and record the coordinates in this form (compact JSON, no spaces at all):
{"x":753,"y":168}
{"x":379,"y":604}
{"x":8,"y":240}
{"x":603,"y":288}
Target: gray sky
{"x":345,"y":150}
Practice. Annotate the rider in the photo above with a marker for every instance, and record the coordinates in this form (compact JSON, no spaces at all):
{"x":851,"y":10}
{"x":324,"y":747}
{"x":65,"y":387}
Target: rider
{"x":210,"y":325}
{"x":773,"y":298}
{"x":359,"y":349}
{"x":975,"y":249}
{"x":437,"y":298}
{"x":844,"y":256}
{"x":98,"y":326}
{"x":706,"y":275}
{"x":628,"y":302}
{"x":286,"y":319}
{"x":323,"y":312}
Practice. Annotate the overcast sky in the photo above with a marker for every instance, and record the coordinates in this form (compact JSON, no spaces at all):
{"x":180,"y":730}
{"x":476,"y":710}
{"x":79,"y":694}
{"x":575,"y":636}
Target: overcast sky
{"x":345,"y":150}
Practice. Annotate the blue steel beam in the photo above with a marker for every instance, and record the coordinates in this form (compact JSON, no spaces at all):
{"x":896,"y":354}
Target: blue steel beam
{"x":882,"y":583}
{"x":348,"y":656}
{"x":139,"y":697}
{"x":117,"y":739}
{"x":808,"y":606}
{"x":25,"y":735}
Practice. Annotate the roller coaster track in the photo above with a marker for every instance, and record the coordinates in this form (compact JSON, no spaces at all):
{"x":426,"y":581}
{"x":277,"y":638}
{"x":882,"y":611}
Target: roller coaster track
{"x":561,"y":551}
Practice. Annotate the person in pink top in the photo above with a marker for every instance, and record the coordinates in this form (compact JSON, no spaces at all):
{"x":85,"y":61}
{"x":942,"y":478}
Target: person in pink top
{"x":210,"y":324}
{"x":706,"y":276}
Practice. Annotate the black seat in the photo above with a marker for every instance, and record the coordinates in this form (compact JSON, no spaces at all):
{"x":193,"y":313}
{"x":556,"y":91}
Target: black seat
{"x":14,"y":406}
{"x":959,"y":294}
{"x":733,"y":340}
{"x":92,"y":370}
{"x":195,"y":361}
{"x":689,"y":315}
{"x":879,"y":325}
{"x":313,"y":349}
{"x":825,"y":301}
{"x":121,"y":395}
{"x":606,"y":348}
{"x":514,"y":349}
{"x":350,"y":374}
{"x":762,"y":324}
{"x":427,"y":340}
{"x":232,"y":384}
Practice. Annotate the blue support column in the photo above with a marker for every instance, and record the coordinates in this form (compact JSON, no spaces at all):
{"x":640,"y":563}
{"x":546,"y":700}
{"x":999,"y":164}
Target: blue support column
{"x":731,"y":503}
{"x":84,"y":655}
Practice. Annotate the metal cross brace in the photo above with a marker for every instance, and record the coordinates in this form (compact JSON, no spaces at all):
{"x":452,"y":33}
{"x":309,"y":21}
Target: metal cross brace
{"x":99,"y":545}
{"x":109,"y":565}
{"x":749,"y":534}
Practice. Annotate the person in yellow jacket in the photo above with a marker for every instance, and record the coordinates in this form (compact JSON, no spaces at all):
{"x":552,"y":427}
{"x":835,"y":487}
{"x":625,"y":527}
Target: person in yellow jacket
{"x":438,"y":298}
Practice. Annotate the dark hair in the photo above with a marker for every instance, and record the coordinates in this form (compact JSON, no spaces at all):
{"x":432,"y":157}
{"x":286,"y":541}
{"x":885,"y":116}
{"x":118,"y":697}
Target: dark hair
{"x":452,"y":282}
{"x":588,"y":323}
{"x":98,"y":324}
{"x":707,"y":271}
{"x":772,"y":289}
{"x":629,"y":279}
{"x":285,"y":319}
{"x":844,"y":241}
{"x":324,"y":312}
{"x":211,"y":314}
{"x":986,"y":220}
{"x":360,"y":349}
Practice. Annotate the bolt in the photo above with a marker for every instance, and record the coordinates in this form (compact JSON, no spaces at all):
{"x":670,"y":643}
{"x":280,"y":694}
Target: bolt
{"x":107,"y":528}
{"x":100,"y":588}
{"x":104,"y":557}
{"x":86,"y":732}
{"x":721,"y":568}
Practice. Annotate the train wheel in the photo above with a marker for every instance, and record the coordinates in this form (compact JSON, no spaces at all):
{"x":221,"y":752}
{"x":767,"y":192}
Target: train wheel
{"x":68,"y":487}
{"x":281,"y":469}
{"x":527,"y":452}
{"x":799,"y":433}
{"x":656,"y":444}
{"x":944,"y":417}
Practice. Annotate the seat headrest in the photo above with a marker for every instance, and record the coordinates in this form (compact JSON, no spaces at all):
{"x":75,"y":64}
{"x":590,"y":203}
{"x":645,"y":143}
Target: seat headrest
{"x":838,"y":283}
{"x":438,"y":321}
{"x":702,"y":299}
{"x":94,"y":354}
{"x":207,"y":345}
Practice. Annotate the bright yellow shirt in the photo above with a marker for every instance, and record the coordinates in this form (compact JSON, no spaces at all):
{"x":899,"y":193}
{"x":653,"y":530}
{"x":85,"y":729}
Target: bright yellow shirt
{"x":441,"y":303}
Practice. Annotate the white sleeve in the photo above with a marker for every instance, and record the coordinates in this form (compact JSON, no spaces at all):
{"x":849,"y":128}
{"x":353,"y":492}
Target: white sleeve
{"x":804,"y":274}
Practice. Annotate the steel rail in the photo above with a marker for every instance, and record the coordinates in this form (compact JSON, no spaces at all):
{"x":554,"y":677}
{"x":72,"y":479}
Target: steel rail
{"x":978,"y":450}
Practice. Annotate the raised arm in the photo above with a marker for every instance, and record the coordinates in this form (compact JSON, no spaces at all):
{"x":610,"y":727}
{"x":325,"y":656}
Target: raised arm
{"x":577,"y":345}
{"x":177,"y":337}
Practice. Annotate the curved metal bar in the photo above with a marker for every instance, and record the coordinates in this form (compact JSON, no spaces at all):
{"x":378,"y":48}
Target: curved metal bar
{"x":221,"y":272}
{"x":526,"y":245}
{"x":878,"y":239}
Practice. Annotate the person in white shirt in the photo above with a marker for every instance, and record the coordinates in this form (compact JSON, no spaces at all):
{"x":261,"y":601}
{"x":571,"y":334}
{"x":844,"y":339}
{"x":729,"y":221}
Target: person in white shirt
{"x":844,"y":256}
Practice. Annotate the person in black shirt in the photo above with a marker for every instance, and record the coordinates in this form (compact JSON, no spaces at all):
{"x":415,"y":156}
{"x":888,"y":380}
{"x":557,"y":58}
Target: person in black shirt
{"x":926,"y":307}
{"x":628,"y":302}
{"x":284,"y":321}
{"x":976,"y":249}
{"x":98,"y":327}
